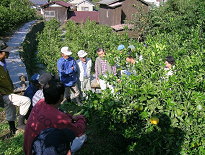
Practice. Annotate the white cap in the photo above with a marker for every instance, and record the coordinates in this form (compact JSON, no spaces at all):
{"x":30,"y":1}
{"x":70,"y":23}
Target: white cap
{"x":82,"y":53}
{"x":66,"y":51}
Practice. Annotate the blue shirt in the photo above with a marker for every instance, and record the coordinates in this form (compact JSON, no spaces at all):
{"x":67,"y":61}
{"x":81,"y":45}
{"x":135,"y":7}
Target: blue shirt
{"x":67,"y":70}
{"x":84,"y":68}
{"x":30,"y":91}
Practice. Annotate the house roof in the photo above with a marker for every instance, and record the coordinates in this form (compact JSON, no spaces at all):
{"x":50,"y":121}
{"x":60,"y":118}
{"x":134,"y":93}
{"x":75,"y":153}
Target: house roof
{"x":115,"y":4}
{"x":82,"y":16}
{"x":155,"y":2}
{"x":86,"y":1}
{"x":81,"y":1}
{"x":61,"y":3}
{"x":39,"y":2}
{"x":107,"y":2}
{"x":122,"y":27}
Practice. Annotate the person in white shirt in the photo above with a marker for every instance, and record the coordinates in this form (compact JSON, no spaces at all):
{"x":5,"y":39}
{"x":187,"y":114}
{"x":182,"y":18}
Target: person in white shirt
{"x":84,"y":70}
{"x":43,"y":79}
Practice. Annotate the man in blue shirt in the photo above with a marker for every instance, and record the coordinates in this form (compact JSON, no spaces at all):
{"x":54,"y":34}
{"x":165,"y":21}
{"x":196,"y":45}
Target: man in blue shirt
{"x":33,"y":86}
{"x":67,"y":70}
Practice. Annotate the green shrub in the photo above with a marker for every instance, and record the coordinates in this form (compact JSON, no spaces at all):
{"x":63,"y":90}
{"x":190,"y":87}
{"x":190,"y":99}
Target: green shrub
{"x":14,"y":13}
{"x":178,"y":102}
{"x":88,"y":36}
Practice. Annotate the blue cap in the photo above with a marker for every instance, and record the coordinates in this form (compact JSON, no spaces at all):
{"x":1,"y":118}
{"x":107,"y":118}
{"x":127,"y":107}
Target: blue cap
{"x":132,"y":47}
{"x":120,"y":47}
{"x":35,"y":77}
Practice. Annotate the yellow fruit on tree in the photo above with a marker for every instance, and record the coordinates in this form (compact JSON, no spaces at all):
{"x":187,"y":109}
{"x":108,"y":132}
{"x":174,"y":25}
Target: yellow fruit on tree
{"x":154,"y":120}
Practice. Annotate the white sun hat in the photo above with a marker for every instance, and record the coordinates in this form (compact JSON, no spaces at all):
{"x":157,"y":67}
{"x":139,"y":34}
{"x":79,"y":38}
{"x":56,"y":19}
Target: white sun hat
{"x":82,"y":53}
{"x":66,"y":51}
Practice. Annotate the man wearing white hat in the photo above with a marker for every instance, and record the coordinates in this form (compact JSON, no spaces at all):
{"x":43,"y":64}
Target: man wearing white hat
{"x":84,"y":69}
{"x":67,"y":70}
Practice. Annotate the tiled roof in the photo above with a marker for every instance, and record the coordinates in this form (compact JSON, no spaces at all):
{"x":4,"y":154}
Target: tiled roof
{"x":62,"y":3}
{"x":86,"y":1}
{"x":39,"y":2}
{"x":82,"y":16}
{"x":107,"y":2}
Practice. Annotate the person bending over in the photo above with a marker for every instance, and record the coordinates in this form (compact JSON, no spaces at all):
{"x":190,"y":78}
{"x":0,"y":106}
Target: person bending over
{"x":45,"y":114}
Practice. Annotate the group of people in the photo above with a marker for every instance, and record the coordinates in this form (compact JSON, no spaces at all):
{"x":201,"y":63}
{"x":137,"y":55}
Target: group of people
{"x":47,"y":126}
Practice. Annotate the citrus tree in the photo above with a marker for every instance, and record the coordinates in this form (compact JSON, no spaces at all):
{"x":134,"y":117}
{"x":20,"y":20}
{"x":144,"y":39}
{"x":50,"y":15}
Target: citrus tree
{"x":148,"y":113}
{"x":14,"y":13}
{"x":158,"y":115}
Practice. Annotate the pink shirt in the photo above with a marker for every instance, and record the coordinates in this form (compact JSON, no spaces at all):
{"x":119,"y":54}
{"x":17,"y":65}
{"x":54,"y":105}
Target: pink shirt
{"x":45,"y":116}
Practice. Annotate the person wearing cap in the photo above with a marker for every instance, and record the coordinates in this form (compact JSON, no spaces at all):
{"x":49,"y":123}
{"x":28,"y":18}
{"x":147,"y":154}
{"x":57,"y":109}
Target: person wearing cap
{"x":6,"y":93}
{"x":84,"y":69}
{"x":33,"y":87}
{"x":131,"y":50}
{"x":131,"y":61}
{"x":118,"y":58}
{"x":43,"y":80}
{"x":46,"y":114}
{"x":67,"y":70}
{"x":121,"y":47}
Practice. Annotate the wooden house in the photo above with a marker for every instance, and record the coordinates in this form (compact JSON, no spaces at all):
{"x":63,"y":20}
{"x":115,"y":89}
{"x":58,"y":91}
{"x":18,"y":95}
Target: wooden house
{"x":37,"y":3}
{"x":82,"y":5}
{"x":116,"y":12}
{"x":82,"y":16}
{"x":56,"y":9}
{"x":156,"y":2}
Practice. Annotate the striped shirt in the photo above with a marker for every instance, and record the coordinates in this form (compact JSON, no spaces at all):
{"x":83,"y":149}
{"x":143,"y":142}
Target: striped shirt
{"x":104,"y":68}
{"x":37,"y":96}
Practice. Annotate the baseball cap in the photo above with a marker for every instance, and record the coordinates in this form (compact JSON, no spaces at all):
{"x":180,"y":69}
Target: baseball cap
{"x":120,"y":47}
{"x":132,"y":47}
{"x":66,"y":51}
{"x":35,"y":78}
{"x":4,"y":47}
{"x":82,"y":53}
{"x":44,"y":78}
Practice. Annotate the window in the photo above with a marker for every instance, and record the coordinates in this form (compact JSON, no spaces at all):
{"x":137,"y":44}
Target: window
{"x":49,"y":13}
{"x":107,"y":14}
{"x":85,"y":8}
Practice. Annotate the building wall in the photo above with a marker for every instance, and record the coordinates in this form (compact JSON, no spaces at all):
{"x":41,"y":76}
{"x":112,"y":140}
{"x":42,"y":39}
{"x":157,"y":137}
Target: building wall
{"x":109,"y":16}
{"x":85,"y":4}
{"x":114,"y":16}
{"x":130,"y":7}
{"x":60,"y":13}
